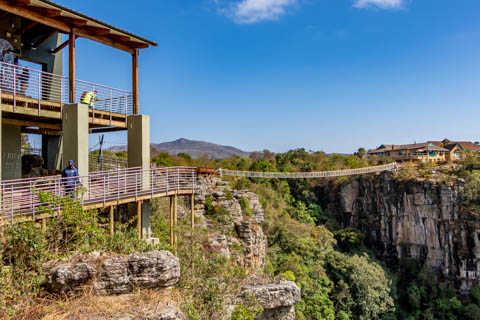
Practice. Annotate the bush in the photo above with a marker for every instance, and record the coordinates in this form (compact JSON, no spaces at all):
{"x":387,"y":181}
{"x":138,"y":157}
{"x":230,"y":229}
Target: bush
{"x":245,"y":205}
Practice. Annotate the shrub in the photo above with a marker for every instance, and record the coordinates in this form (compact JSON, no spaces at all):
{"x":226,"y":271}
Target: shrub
{"x":245,"y":205}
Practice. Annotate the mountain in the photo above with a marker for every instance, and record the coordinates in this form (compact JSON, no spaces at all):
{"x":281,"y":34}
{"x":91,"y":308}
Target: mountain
{"x":193,"y":148}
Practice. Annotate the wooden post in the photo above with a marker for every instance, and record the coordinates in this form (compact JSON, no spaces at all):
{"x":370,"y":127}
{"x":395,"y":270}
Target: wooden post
{"x":71,"y":67}
{"x":44,"y":225}
{"x":112,"y":222}
{"x":135,"y":81}
{"x":192,"y":207}
{"x":172,"y":239}
{"x":139,"y":218}
{"x":175,"y":220}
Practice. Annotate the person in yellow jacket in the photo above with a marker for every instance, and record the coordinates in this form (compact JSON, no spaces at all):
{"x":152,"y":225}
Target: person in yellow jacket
{"x":89,"y":98}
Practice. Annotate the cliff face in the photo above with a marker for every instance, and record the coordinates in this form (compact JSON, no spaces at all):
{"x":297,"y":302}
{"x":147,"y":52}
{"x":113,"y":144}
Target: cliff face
{"x":416,"y":219}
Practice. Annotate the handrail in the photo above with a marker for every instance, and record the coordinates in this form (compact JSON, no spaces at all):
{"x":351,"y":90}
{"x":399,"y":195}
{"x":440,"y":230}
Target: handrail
{"x":20,"y":196}
{"x":306,"y":175}
{"x":37,"y":89}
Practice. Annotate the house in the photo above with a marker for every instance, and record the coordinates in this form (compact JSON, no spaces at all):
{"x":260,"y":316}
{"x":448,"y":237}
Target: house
{"x":418,"y":152}
{"x":457,"y":149}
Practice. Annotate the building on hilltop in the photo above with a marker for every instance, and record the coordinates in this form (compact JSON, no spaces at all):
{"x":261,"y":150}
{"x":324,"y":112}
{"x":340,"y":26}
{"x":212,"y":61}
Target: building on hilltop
{"x":430,"y":151}
{"x":457,"y":149}
{"x":417,"y":152}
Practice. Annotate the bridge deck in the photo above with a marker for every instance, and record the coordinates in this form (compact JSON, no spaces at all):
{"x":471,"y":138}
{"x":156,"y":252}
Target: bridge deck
{"x":20,"y":198}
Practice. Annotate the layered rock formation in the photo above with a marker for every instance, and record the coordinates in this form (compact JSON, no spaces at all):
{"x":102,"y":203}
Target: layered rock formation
{"x":242,"y":229}
{"x":117,"y":275}
{"x":423,"y":220}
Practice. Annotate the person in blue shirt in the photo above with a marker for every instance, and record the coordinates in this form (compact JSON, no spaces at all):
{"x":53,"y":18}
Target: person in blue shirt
{"x":70,"y":178}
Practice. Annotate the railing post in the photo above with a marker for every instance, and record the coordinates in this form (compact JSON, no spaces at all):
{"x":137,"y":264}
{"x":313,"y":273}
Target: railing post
{"x":136,"y":186}
{"x":151,"y":181}
{"x":166,"y":170}
{"x":104,"y":194}
{"x":11,"y":203}
{"x":178,"y":179}
{"x":31,"y":201}
{"x":126,"y":104}
{"x":14,"y":89}
{"x":111,"y":102}
{"x":39,"y":93}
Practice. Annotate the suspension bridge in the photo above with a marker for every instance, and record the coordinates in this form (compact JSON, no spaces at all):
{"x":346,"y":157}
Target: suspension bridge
{"x":20,"y":199}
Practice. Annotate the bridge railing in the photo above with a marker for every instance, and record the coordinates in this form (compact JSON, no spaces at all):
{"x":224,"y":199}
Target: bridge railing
{"x":21,"y":197}
{"x":306,"y":175}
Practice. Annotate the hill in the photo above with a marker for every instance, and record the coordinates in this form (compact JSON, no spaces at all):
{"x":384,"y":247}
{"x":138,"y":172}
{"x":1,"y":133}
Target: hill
{"x":193,"y":148}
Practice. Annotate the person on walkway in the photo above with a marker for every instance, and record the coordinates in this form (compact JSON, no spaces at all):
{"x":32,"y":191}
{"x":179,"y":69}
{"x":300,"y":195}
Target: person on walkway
{"x":71,"y":179}
{"x":89,"y":98}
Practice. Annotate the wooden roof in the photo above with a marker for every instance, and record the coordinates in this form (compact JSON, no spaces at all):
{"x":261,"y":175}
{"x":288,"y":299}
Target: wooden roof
{"x":65,"y":19}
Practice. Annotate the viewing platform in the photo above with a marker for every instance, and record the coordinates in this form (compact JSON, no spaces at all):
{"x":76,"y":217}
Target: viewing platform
{"x":33,"y":98}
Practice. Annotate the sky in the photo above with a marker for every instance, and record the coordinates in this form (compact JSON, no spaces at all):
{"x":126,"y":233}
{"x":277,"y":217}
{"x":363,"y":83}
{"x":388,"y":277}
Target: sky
{"x":325,"y":75}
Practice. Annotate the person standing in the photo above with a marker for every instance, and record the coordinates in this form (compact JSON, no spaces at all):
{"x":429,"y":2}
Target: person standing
{"x":89,"y":98}
{"x":70,"y":178}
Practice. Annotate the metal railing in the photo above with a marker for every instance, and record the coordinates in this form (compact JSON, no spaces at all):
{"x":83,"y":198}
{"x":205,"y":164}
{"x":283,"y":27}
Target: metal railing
{"x":307,"y":175}
{"x":37,"y":89}
{"x":21,"y":197}
{"x":98,"y":163}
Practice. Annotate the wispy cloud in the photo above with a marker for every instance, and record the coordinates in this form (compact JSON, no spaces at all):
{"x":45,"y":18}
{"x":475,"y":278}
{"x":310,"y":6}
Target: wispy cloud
{"x":382,"y":4}
{"x":253,"y":11}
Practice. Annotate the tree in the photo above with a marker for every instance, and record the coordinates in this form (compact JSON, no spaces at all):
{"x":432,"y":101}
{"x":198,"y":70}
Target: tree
{"x":361,"y":153}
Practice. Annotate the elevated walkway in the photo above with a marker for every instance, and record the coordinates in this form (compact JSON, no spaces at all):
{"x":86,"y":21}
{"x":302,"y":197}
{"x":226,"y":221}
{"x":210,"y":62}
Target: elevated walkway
{"x":20,"y":201}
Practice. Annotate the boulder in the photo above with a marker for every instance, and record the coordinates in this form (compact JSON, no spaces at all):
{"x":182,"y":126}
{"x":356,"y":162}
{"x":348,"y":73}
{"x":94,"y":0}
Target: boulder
{"x":155,"y":269}
{"x":69,"y":277}
{"x":277,"y":299}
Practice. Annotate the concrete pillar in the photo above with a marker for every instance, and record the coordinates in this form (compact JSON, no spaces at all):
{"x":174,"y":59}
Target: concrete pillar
{"x":75,"y":136}
{"x":11,"y":138}
{"x":139,"y":156}
{"x":146,"y":228}
{"x":52,"y":151}
{"x":139,"y":141}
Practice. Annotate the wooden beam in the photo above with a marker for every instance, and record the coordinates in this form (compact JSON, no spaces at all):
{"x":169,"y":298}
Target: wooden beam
{"x":119,"y":37}
{"x":26,"y":27}
{"x":60,"y":47}
{"x":110,"y":129}
{"x":135,"y":81}
{"x":26,"y":123}
{"x":175,"y":221}
{"x":71,"y":67}
{"x":47,"y":12}
{"x":72,"y":22}
{"x":136,"y":45}
{"x":4,"y":15}
{"x":43,"y":39}
{"x":95,"y":30}
{"x":26,"y":12}
{"x":42,"y":132}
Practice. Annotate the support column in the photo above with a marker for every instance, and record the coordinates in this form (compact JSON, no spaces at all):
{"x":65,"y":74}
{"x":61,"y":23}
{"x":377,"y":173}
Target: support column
{"x":11,"y":138}
{"x":71,"y":67}
{"x":52,"y":151}
{"x":112,"y":221}
{"x":75,"y":136}
{"x":172,"y":226}
{"x":175,"y":220}
{"x":135,"y":81}
{"x":139,"y":219}
{"x":192,"y":208}
{"x":139,"y":141}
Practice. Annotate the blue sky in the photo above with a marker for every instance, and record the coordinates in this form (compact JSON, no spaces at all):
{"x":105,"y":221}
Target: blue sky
{"x":331,"y":75}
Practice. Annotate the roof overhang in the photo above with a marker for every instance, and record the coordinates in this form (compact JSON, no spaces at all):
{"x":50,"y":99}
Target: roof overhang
{"x":65,"y":20}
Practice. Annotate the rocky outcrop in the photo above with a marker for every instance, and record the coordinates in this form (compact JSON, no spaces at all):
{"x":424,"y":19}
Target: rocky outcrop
{"x":277,"y":299}
{"x":241,"y":229}
{"x":117,"y":275}
{"x":423,"y":220}
{"x":156,"y":269}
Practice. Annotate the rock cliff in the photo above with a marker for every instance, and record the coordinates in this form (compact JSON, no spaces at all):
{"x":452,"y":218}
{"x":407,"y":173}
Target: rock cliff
{"x":423,"y":220}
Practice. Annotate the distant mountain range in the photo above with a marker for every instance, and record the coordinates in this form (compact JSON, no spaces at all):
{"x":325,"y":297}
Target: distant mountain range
{"x":194,"y":149}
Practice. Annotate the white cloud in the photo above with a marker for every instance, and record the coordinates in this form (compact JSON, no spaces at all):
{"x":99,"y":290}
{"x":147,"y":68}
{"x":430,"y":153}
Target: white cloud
{"x":382,"y":4}
{"x":253,"y":11}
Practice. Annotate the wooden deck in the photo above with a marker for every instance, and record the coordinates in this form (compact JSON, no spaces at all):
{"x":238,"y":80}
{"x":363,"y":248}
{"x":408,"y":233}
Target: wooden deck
{"x":45,"y":114}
